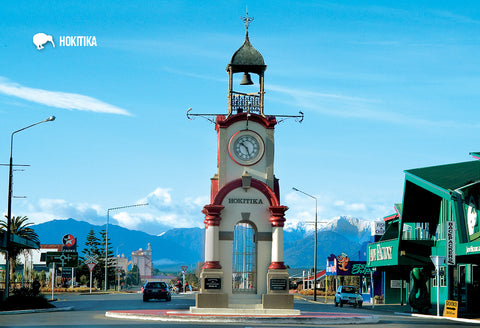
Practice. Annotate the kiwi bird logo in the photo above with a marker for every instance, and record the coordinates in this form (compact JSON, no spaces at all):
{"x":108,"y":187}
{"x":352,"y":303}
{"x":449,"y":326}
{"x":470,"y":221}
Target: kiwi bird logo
{"x":40,"y":39}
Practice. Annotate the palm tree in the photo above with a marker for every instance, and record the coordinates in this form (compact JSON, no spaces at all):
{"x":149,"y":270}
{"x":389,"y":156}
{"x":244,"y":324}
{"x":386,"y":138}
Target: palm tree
{"x":21,"y":228}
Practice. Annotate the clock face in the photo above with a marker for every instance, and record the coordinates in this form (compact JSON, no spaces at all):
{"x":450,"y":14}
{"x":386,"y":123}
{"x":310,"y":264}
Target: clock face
{"x":246,"y":147}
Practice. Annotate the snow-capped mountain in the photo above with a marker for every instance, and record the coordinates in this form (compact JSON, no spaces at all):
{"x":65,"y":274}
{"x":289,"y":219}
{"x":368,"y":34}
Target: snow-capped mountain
{"x":185,"y":246}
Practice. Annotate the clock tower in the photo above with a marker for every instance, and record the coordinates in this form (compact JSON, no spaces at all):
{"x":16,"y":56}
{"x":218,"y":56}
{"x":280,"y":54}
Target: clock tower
{"x":244,"y":268}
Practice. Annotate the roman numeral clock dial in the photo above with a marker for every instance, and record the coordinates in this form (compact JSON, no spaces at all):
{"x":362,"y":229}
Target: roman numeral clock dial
{"x":246,"y":147}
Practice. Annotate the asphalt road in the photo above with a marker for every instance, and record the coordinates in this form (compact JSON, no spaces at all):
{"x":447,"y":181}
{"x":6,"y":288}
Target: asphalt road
{"x":89,"y":311}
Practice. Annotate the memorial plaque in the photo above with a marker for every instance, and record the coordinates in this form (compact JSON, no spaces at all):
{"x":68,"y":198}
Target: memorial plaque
{"x":278,"y":284}
{"x":213,"y":283}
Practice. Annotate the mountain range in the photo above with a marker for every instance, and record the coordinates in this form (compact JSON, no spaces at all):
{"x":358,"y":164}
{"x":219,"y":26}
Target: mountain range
{"x":177,"y":247}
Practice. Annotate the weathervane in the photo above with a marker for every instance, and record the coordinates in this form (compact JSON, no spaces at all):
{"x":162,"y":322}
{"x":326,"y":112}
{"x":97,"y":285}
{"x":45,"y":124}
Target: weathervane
{"x":247,"y":20}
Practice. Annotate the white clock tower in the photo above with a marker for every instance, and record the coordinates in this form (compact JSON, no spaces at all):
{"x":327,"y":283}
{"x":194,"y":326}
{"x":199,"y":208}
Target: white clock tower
{"x":244,"y":268}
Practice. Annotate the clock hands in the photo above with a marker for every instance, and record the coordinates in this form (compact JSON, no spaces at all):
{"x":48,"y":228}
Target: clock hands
{"x":246,"y":148}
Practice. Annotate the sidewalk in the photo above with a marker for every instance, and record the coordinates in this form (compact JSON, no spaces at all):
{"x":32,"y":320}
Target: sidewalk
{"x":395,"y":309}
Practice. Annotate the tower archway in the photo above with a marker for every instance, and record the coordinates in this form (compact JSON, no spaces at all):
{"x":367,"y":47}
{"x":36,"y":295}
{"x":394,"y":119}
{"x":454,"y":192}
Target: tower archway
{"x":244,"y":258}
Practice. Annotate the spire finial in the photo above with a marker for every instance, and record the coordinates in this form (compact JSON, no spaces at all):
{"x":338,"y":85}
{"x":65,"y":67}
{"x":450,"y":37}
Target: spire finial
{"x":247,"y":20}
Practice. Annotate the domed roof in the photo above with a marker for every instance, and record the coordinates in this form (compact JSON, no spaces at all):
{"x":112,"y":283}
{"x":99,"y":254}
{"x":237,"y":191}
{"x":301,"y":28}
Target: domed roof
{"x":247,"y":59}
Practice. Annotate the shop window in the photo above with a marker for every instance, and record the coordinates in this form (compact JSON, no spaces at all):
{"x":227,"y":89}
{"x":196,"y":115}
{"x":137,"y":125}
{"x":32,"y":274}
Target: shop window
{"x":365,"y":285}
{"x":443,"y":277}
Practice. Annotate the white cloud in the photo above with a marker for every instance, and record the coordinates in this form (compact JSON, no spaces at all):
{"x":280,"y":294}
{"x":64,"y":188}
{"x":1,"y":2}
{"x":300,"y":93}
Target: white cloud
{"x":70,"y":101}
{"x":164,"y":212}
{"x":58,"y":209}
{"x":159,"y":198}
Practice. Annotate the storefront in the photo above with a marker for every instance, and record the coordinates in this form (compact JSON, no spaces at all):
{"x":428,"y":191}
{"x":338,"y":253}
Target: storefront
{"x":352,"y":273}
{"x":438,"y":217}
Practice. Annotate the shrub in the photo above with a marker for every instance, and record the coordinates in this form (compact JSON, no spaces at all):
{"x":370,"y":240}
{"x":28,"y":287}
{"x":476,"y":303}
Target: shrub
{"x":17,"y":302}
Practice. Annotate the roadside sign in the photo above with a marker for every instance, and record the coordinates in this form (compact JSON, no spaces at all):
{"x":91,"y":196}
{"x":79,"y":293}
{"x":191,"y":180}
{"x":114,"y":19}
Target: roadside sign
{"x":184,"y":268}
{"x":451,"y":309}
{"x":67,"y":259}
{"x":69,"y":240}
{"x":91,"y":266}
{"x":91,"y":259}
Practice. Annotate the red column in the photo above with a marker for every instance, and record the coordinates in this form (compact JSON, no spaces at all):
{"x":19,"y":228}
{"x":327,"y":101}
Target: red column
{"x":212,"y":221}
{"x":277,"y":220}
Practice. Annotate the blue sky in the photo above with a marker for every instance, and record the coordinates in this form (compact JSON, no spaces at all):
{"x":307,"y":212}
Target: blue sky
{"x":384,"y":85}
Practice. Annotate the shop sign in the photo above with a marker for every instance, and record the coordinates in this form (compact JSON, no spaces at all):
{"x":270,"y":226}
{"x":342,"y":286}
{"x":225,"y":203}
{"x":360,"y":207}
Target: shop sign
{"x":378,"y":228}
{"x":360,"y":269}
{"x":473,"y":249}
{"x":380,"y":253}
{"x":343,"y":263}
{"x":395,"y":284}
{"x":331,"y":265}
{"x":451,"y":309}
{"x":450,"y":243}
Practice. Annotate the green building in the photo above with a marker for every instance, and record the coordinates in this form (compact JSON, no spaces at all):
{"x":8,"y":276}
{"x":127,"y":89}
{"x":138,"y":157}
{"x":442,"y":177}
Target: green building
{"x":438,"y":217}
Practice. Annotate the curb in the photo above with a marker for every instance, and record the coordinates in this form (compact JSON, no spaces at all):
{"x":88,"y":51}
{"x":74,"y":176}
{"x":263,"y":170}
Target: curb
{"x":315,"y":318}
{"x":429,"y":316}
{"x":68,"y":308}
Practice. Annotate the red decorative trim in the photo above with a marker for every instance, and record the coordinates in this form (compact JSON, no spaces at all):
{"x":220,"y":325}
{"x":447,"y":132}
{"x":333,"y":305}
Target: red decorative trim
{"x":277,"y":219}
{"x":219,"y":117}
{"x":268,"y":122}
{"x":213,"y":189}
{"x":276,"y":187}
{"x":257,"y":184}
{"x":212,"y":215}
{"x":212,"y":265}
{"x":277,"y":266}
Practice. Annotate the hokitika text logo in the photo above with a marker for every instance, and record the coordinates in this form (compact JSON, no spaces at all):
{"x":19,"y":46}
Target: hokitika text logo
{"x":40,"y":39}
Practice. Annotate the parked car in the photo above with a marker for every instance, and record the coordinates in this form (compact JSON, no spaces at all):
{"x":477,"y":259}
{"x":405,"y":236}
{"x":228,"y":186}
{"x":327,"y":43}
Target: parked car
{"x":156,"y":290}
{"x":348,"y":295}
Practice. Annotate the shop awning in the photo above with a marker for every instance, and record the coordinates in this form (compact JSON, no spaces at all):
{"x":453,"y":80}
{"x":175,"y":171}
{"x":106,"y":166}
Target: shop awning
{"x":17,"y":241}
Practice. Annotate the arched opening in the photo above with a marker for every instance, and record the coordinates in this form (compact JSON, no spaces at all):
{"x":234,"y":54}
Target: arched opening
{"x":244,"y":275}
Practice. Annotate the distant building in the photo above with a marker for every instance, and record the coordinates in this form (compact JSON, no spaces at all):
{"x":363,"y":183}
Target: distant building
{"x":143,"y":259}
{"x":121,"y":263}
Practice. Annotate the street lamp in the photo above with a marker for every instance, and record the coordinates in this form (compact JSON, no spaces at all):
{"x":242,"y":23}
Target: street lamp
{"x":315,"y":249}
{"x":9,"y":203}
{"x":106,"y":236}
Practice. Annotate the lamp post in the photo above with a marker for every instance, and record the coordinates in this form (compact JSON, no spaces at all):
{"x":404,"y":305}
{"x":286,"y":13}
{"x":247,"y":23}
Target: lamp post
{"x":106,"y":237}
{"x":315,"y":250}
{"x":9,"y":204}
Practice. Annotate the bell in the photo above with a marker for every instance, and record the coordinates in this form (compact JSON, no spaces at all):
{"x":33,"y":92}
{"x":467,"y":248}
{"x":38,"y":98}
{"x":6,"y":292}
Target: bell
{"x":246,"y":79}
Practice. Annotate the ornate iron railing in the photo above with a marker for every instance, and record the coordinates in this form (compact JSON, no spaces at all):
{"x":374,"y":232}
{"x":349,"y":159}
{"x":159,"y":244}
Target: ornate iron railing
{"x":242,"y":103}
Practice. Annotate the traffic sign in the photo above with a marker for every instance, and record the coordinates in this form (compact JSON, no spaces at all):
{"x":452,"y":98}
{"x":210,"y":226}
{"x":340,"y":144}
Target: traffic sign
{"x":184,"y":268}
{"x":68,"y":259}
{"x":91,"y":259}
{"x":91,"y":266}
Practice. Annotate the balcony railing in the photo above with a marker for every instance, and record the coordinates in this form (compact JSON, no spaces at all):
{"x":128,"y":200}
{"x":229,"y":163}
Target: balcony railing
{"x":242,"y":102}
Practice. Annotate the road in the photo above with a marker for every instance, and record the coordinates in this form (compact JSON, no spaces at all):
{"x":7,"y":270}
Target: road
{"x":89,"y":311}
